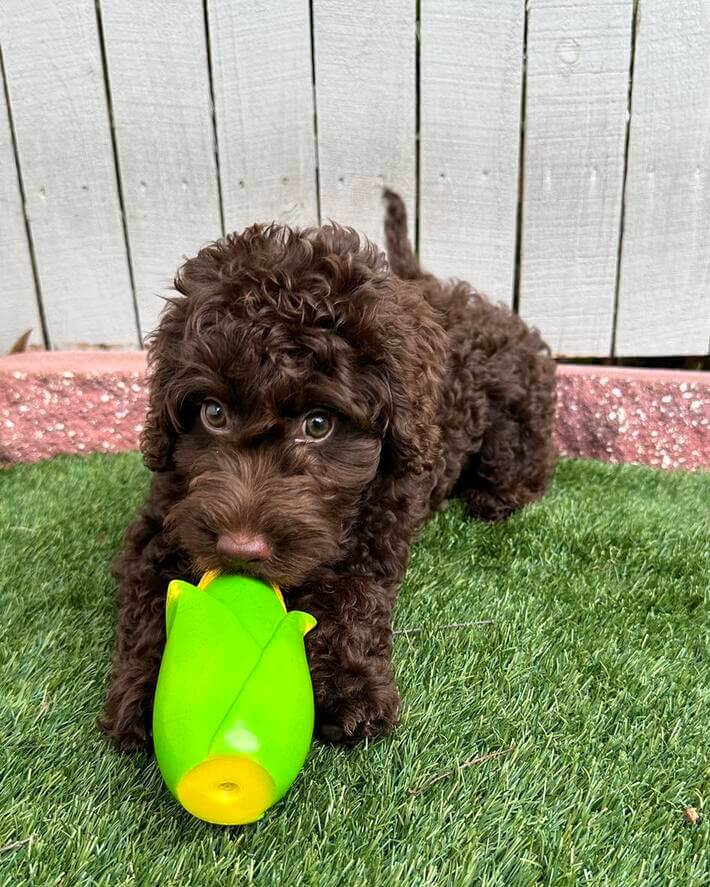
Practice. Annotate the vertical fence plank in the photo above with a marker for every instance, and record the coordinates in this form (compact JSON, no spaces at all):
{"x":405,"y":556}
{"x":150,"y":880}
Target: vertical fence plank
{"x":578,"y":59}
{"x":55,"y":82}
{"x":365,"y":69}
{"x":261,"y":61}
{"x":18,"y":300}
{"x":664,"y":292}
{"x":471,"y":81}
{"x":159,"y":81}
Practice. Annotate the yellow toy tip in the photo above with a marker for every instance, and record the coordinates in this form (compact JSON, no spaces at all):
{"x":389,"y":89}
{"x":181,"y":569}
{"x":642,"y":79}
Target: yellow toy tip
{"x":227,"y":790}
{"x":308,"y":623}
{"x":208,"y":577}
{"x":173,"y":590}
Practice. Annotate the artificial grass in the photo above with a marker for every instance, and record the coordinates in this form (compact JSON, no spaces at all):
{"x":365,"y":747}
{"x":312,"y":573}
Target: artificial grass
{"x":594,"y":667}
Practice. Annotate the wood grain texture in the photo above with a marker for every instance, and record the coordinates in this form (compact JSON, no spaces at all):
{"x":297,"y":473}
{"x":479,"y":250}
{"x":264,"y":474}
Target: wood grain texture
{"x":261,"y":60}
{"x":159,"y":80}
{"x":18,"y":299}
{"x":578,"y":59}
{"x":56,"y":87}
{"x":471,"y":74}
{"x":365,"y":70}
{"x":664,"y":291}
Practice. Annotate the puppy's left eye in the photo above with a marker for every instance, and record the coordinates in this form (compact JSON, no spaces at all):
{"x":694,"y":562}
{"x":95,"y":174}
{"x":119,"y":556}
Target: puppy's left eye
{"x":214,"y":415}
{"x":317,"y":425}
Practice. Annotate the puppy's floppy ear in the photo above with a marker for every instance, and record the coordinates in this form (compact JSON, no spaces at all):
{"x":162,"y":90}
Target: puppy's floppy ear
{"x":165,"y":366}
{"x":416,"y":353}
{"x":411,"y":365}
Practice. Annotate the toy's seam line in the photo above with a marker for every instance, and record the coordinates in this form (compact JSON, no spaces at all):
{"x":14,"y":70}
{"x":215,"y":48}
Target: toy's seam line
{"x":171,"y":605}
{"x":234,"y":618}
{"x":244,"y":627}
{"x":209,"y":577}
{"x":241,"y":689}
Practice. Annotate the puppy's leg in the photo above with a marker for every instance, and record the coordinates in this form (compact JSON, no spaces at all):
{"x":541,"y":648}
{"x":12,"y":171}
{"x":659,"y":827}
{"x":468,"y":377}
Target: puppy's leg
{"x":143,"y":571}
{"x":492,"y":488}
{"x":516,"y":457}
{"x":349,"y":653}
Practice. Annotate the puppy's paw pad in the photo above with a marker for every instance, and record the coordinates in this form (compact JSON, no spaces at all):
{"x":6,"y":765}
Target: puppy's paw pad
{"x":122,"y":738}
{"x":365,"y":719}
{"x":331,"y":732}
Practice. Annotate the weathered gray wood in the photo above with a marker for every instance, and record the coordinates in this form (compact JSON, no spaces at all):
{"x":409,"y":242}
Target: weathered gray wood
{"x":18,"y":299}
{"x":159,"y":79}
{"x":365,"y":68}
{"x":261,"y":60}
{"x":578,"y":59}
{"x":56,"y":87}
{"x":664,"y":292}
{"x":471,"y":81}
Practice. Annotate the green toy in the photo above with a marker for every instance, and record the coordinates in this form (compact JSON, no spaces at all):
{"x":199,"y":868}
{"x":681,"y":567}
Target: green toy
{"x":233,"y":712}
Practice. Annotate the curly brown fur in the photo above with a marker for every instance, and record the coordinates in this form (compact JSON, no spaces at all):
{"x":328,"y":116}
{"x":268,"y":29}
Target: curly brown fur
{"x":434,"y":392}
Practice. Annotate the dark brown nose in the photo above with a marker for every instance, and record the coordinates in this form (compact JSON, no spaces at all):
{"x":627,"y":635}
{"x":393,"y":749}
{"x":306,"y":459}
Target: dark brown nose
{"x":243,"y":547}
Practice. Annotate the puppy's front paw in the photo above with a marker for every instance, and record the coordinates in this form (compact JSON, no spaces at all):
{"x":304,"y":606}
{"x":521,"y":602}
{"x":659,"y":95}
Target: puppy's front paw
{"x":125,"y":719}
{"x":124,"y":737}
{"x":349,"y":718}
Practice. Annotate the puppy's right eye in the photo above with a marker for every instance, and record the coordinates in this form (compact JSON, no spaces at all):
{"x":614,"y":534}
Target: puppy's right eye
{"x":214,"y":415}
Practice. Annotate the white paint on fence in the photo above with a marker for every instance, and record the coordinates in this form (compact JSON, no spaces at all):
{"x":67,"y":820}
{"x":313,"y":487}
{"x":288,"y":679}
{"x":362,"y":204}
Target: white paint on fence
{"x":18,"y":301}
{"x":56,"y":88}
{"x":471,"y":81}
{"x":261,"y":60}
{"x":159,"y":82}
{"x":578,"y":59}
{"x":365,"y":67}
{"x":664,"y":294}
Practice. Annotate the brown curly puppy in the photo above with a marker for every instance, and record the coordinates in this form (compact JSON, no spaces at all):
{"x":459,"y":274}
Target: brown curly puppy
{"x":310,"y":405}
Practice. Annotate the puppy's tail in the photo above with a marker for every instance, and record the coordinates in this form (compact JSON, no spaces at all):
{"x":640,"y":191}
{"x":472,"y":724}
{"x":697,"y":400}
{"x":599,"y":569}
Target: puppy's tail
{"x":400,"y":254}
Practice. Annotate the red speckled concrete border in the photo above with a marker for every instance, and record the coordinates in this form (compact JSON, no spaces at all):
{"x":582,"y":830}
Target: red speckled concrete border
{"x":69,"y":402}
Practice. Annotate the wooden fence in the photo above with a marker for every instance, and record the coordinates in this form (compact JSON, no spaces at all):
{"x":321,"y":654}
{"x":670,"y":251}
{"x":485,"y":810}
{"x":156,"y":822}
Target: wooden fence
{"x":556,"y":154}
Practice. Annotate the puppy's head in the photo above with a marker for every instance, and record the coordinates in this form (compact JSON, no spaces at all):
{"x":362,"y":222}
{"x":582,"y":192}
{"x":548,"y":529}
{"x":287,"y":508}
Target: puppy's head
{"x":289,"y":376}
